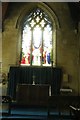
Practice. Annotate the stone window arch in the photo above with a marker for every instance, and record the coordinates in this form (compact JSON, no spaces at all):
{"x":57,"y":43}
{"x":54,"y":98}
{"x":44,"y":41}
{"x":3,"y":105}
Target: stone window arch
{"x":40,"y":18}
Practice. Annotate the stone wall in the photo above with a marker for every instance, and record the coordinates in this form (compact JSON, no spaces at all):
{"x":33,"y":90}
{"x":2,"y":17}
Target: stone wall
{"x":66,"y":37}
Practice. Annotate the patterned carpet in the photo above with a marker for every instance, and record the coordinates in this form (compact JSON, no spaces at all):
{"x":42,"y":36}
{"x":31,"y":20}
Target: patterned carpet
{"x":34,"y":114}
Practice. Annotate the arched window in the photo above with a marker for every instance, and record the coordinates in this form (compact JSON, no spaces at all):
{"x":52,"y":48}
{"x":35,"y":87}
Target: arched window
{"x":37,"y":39}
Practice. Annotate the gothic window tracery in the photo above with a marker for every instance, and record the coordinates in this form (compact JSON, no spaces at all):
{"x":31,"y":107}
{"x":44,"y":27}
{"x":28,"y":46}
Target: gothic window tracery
{"x":37,"y":39}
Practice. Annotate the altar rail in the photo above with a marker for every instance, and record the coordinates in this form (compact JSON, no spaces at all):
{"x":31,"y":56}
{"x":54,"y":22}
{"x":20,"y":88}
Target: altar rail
{"x":40,"y":75}
{"x":55,"y":104}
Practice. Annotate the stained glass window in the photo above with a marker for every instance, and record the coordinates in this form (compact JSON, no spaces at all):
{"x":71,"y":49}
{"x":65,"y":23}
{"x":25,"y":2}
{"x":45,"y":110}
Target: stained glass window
{"x":37,"y":39}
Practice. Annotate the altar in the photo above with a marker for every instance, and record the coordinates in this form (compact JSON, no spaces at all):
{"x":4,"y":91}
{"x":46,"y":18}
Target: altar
{"x":29,"y":74}
{"x":28,"y":94}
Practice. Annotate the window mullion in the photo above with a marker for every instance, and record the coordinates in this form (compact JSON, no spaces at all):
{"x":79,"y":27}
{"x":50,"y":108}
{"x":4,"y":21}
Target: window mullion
{"x":31,"y":47}
{"x":42,"y":49}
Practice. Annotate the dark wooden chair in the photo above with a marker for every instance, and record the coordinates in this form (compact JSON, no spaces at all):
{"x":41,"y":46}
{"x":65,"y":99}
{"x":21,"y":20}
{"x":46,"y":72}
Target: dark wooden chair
{"x":6,"y":104}
{"x":75,"y":107}
{"x":76,"y":112}
{"x":60,"y":104}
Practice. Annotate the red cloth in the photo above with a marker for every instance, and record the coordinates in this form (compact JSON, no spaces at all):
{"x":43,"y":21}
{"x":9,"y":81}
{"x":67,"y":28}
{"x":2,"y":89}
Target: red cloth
{"x":23,"y":61}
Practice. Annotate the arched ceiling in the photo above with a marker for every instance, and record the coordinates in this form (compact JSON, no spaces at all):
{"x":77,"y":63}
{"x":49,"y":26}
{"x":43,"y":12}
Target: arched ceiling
{"x":5,"y":6}
{"x":74,"y":9}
